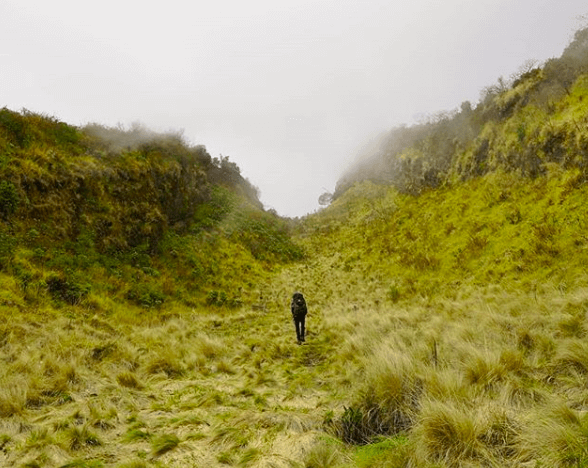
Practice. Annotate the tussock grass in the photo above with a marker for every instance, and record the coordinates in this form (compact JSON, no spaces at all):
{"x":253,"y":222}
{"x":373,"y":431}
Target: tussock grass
{"x":75,"y":438}
{"x":129,"y":380}
{"x":449,"y":434}
{"x":164,"y":443}
{"x":557,"y":436}
{"x":571,"y":355}
{"x":390,"y":399}
{"x":484,"y":371}
{"x":13,"y":398}
{"x":324,"y":454}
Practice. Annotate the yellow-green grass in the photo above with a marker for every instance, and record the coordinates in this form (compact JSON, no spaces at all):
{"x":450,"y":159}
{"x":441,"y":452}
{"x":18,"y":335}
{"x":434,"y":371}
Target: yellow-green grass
{"x":428,"y":345}
{"x":493,"y":379}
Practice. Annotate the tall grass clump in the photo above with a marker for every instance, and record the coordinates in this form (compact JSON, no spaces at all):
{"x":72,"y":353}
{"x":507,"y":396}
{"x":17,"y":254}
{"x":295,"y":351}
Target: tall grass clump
{"x":164,"y":443}
{"x":389,"y":400}
{"x":77,"y":438}
{"x":324,"y":454}
{"x":555,"y":436}
{"x":450,"y":434}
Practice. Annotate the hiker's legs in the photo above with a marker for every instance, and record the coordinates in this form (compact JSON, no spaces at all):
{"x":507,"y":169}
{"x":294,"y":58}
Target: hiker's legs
{"x":302,"y":320}
{"x":297,"y":325}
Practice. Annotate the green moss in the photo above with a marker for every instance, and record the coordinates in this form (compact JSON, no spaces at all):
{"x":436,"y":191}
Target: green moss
{"x":384,"y":453}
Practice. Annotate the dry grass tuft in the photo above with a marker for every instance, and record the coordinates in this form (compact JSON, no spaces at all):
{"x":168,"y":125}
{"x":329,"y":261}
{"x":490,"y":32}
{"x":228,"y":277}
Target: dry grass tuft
{"x":572,"y":354}
{"x":164,"y":443}
{"x":389,"y":401}
{"x":557,"y":436}
{"x":129,"y":380}
{"x":324,"y":454}
{"x":446,"y":433}
{"x":77,"y":438}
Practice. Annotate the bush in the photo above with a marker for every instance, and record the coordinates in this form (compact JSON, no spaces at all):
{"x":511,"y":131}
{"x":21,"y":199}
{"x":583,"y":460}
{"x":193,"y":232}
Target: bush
{"x":9,"y":198}
{"x":220,"y":299}
{"x":68,"y":290}
{"x":7,"y":245}
{"x":14,"y":126}
{"x":146,"y":295}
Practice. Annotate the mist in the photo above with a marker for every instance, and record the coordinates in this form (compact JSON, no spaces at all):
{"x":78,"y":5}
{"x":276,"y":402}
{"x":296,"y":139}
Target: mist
{"x":290,"y":91}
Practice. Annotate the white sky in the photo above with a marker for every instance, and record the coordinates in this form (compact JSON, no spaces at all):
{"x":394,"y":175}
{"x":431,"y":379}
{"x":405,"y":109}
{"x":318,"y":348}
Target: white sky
{"x":288,"y":89}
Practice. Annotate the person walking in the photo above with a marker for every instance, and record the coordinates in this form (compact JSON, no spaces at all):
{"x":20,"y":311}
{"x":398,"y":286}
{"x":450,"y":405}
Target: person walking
{"x":299,"y":311}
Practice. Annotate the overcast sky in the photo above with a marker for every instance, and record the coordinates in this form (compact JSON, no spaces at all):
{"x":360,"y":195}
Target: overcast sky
{"x":288,"y":89}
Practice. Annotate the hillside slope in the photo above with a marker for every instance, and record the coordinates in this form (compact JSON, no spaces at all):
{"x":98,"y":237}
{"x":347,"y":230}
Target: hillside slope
{"x":537,"y":117}
{"x":96,"y":214}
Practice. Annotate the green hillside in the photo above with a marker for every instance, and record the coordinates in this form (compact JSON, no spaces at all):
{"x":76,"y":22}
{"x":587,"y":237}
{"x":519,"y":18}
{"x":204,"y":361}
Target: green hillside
{"x":520,"y":125}
{"x":145,"y":296}
{"x":95,"y":214}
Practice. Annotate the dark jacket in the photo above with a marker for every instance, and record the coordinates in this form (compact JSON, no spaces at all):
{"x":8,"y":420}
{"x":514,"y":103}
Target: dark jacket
{"x":298,"y":306}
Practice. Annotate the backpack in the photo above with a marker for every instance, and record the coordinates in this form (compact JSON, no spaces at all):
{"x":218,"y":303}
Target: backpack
{"x":298,"y":305}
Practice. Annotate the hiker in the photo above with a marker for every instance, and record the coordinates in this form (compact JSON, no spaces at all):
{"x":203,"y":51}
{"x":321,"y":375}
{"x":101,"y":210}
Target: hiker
{"x":299,"y":312}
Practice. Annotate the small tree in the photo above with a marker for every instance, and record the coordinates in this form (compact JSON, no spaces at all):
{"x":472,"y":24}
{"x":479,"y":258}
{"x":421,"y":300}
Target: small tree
{"x":325,"y":199}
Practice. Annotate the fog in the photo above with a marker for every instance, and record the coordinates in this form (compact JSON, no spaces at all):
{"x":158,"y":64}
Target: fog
{"x":289,"y":90}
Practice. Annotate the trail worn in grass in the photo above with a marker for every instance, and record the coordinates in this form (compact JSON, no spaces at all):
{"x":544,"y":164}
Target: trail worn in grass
{"x":206,"y":389}
{"x":492,"y":379}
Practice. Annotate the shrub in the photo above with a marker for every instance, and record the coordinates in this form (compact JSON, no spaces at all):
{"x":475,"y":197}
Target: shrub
{"x":220,"y":299}
{"x":66,"y":289}
{"x":7,"y":246}
{"x":146,"y":295}
{"x":9,"y":198}
{"x":15,"y":127}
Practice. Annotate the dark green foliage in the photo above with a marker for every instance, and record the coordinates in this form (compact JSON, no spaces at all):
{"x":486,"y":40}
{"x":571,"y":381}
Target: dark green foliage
{"x":266,"y":236}
{"x":146,"y":295}
{"x":220,"y":299}
{"x":23,"y":275}
{"x":208,"y":214}
{"x":7,"y":245}
{"x":8,"y":198}
{"x":14,"y":127}
{"x":352,"y":427}
{"x":69,"y":290}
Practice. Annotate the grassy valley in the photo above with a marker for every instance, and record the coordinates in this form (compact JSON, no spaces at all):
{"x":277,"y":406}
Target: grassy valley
{"x":145,"y":296}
